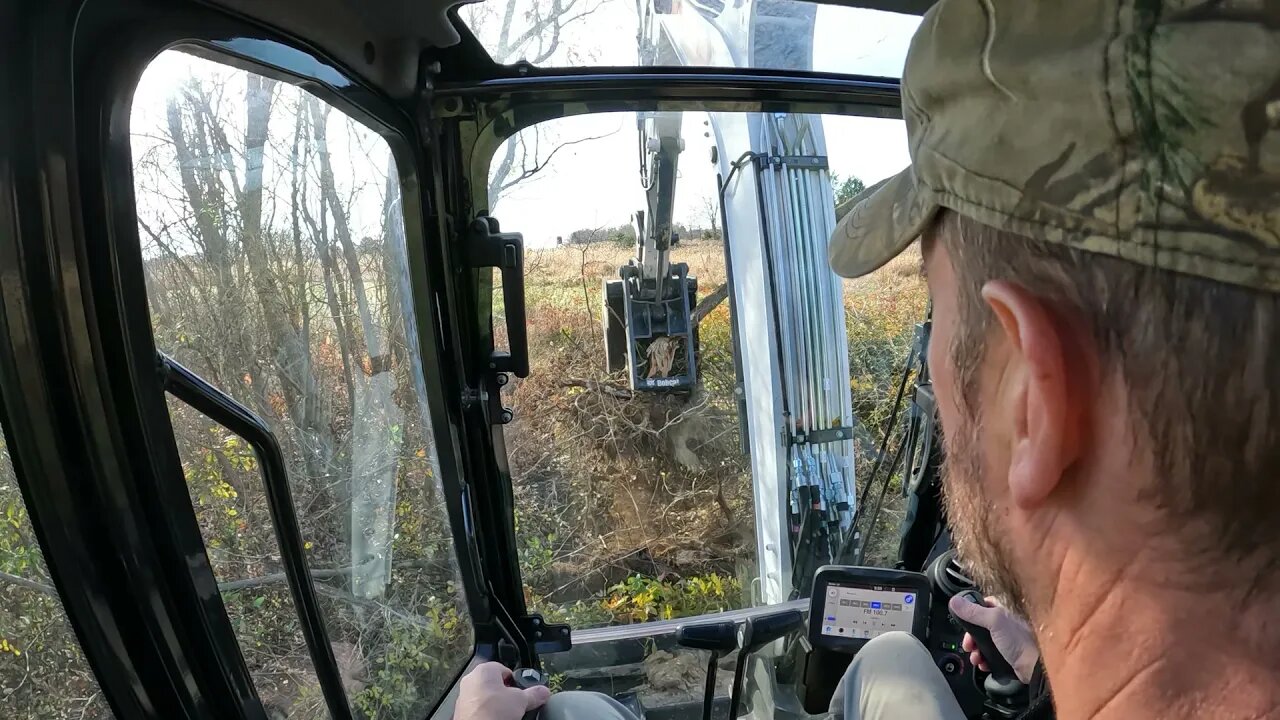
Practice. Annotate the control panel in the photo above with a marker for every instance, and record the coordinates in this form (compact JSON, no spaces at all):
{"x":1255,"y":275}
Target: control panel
{"x":851,"y":605}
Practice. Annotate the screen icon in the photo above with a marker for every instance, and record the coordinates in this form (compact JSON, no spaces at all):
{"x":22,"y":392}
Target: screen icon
{"x":827,"y":629}
{"x":908,"y":599}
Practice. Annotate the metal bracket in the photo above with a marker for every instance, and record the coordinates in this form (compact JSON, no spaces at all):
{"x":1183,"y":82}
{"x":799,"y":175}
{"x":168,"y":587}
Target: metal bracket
{"x":924,"y":406}
{"x":546,"y":637}
{"x":799,"y":162}
{"x":820,"y":437}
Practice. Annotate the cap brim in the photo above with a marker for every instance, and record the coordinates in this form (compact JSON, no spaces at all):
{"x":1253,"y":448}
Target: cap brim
{"x":878,"y":224}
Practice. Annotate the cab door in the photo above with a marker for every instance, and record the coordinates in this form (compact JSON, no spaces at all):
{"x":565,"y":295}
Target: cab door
{"x":240,"y":486}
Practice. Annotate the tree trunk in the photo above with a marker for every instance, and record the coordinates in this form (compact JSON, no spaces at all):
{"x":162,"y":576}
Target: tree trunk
{"x":377,"y":424}
{"x":298,"y":384}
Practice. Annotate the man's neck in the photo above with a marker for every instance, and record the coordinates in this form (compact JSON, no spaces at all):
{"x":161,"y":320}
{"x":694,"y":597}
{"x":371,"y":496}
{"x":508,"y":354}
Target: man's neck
{"x":1129,"y":648}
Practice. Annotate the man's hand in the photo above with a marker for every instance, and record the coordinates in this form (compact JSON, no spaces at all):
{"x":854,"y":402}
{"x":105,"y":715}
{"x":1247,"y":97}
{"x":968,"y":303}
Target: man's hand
{"x":486,"y":695}
{"x":1012,"y":637}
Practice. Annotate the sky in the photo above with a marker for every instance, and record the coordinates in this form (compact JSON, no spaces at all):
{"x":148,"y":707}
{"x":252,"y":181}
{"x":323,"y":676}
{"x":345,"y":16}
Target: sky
{"x":359,"y":156}
{"x":590,"y":184}
{"x":596,"y":183}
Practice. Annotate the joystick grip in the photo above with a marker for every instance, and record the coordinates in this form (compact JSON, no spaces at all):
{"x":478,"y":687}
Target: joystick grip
{"x":1000,"y":668}
{"x":525,"y":678}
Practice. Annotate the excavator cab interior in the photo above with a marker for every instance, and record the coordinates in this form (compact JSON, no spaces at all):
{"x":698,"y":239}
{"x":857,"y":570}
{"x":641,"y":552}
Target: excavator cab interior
{"x":345,"y":346}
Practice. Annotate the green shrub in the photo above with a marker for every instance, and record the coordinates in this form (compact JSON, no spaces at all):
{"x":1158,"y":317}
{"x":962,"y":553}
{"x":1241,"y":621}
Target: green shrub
{"x":644,"y":599}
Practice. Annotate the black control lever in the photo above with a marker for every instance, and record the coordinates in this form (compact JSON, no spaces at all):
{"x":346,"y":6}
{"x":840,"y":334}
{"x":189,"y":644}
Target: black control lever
{"x":1000,"y":668}
{"x":720,"y":638}
{"x":753,"y":634}
{"x":525,"y":678}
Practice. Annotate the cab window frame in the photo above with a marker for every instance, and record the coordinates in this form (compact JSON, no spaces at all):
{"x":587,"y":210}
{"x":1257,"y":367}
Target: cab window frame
{"x":483,"y":116}
{"x":195,"y":667}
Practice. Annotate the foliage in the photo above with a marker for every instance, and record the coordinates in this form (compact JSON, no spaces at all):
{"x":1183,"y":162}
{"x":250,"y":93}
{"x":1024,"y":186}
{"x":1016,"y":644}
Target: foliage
{"x":643,"y":599}
{"x":414,"y":665}
{"x":43,"y":673}
{"x":847,"y":188}
{"x":882,"y":312}
{"x":679,"y":555}
{"x":622,"y":235}
{"x":600,"y":495}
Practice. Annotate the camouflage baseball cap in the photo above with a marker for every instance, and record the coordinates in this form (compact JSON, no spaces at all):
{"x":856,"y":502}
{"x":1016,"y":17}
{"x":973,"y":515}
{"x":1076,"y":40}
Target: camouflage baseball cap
{"x":1144,"y":129}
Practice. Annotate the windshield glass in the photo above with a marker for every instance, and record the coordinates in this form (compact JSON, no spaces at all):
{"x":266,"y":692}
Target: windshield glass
{"x":779,"y":34}
{"x":654,"y":486}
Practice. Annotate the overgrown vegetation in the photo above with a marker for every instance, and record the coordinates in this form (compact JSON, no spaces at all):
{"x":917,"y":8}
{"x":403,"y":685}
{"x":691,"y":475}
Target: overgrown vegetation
{"x":612,"y":486}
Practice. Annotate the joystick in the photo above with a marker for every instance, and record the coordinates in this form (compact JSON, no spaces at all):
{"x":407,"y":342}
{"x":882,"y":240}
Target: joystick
{"x":525,"y":678}
{"x":1001,"y":670}
{"x":1002,"y":686}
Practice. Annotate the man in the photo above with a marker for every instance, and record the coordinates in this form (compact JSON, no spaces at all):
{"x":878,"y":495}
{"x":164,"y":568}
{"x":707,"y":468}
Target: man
{"x":1097,"y":188}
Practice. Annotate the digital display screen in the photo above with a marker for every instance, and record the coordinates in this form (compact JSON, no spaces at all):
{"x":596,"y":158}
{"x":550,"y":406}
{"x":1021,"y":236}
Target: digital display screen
{"x":865,"y":612}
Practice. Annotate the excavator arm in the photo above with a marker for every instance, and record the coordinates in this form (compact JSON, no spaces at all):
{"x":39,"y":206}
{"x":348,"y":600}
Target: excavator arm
{"x":778,"y":208}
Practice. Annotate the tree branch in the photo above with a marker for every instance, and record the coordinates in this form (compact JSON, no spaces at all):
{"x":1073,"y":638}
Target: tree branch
{"x":28,"y":584}
{"x":173,"y":256}
{"x":235,"y":585}
{"x":230,"y":586}
{"x":709,"y":303}
{"x":527,"y":173}
{"x":504,"y":170}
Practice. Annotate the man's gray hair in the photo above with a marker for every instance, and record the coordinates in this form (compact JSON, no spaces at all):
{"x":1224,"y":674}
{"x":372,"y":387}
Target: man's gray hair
{"x":1200,"y":360}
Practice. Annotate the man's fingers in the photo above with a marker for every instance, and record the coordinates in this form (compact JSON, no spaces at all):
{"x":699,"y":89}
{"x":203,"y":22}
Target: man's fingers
{"x":535,"y":697}
{"x":973,"y":612}
{"x":975,"y":657}
{"x":492,"y":673}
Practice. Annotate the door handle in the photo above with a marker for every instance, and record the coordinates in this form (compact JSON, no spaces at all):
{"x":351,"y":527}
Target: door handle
{"x":488,"y":247}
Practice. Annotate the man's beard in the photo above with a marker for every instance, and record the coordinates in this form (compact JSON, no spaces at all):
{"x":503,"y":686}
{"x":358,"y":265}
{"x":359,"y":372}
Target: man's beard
{"x":975,"y":526}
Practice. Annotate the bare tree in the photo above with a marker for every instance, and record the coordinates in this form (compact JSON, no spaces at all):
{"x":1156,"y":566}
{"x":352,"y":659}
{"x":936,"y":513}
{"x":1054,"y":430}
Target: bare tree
{"x":709,"y":211}
{"x":524,"y":156}
{"x":530,"y":31}
{"x":205,"y":156}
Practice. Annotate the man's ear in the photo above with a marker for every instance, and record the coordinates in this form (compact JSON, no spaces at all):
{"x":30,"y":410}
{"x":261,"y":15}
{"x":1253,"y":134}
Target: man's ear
{"x":1042,"y":389}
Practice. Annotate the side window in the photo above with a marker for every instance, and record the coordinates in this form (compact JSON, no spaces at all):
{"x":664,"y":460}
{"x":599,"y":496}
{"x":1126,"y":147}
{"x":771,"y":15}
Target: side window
{"x":276,"y":268}
{"x":43,"y":673}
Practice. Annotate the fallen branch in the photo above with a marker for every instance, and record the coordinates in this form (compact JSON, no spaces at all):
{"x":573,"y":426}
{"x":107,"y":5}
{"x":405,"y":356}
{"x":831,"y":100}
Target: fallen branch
{"x":233,"y":585}
{"x":28,"y":584}
{"x":709,"y":303}
{"x":229,"y":586}
{"x":614,"y":391}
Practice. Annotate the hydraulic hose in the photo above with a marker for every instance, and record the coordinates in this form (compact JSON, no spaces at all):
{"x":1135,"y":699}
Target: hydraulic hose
{"x":884,"y":447}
